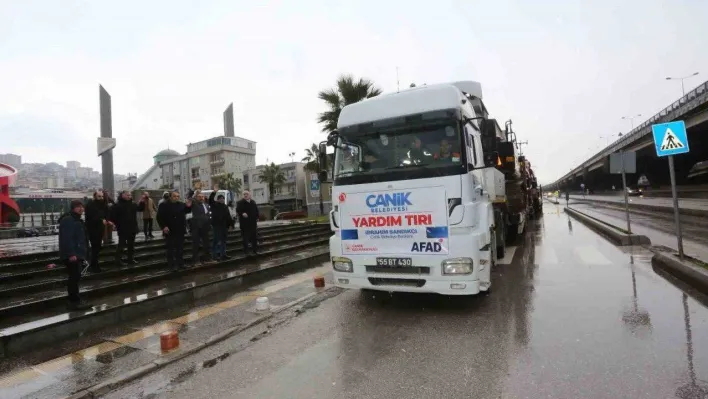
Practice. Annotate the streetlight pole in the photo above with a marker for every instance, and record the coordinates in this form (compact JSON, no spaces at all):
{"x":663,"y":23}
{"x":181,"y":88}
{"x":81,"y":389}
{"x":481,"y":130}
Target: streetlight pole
{"x":682,"y":78}
{"x":292,"y":159}
{"x":631,"y":119}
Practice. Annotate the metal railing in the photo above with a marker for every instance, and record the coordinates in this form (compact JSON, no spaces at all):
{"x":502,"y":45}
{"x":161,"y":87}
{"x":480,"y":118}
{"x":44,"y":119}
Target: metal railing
{"x":692,"y":100}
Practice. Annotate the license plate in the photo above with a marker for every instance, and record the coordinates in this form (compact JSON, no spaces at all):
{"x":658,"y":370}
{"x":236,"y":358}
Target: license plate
{"x":394,"y":262}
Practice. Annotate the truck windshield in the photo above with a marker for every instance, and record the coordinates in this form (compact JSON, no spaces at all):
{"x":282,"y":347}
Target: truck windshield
{"x":381,"y":155}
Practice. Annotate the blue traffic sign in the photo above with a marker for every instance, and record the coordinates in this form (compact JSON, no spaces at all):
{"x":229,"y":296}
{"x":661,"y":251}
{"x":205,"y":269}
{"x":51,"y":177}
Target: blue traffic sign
{"x":670,"y":138}
{"x":314,"y":185}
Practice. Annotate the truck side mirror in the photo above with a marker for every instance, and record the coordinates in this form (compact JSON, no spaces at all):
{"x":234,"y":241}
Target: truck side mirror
{"x":323,"y":176}
{"x":488,"y":130}
{"x":332,"y":138}
{"x":323,"y":158}
{"x":490,"y":159}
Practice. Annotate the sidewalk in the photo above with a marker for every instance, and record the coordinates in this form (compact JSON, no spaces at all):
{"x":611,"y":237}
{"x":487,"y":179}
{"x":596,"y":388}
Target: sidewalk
{"x":119,"y":353}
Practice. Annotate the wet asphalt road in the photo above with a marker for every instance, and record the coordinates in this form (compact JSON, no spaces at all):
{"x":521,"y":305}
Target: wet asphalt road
{"x":571,"y":316}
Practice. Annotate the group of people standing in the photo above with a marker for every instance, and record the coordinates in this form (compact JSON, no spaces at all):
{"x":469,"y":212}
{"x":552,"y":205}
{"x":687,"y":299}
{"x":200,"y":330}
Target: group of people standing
{"x":80,"y":241}
{"x":208,"y":215}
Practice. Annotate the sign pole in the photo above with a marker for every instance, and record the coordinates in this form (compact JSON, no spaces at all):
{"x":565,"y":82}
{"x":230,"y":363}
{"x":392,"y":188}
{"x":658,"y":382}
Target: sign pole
{"x":677,"y":219}
{"x":626,"y":196}
{"x":671,"y":139}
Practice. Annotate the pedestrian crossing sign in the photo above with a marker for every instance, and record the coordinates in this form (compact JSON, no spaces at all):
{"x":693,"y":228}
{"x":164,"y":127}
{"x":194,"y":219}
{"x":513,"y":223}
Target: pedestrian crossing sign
{"x":670,"y":138}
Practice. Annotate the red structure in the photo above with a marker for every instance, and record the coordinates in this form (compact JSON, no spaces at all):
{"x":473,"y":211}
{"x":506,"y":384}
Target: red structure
{"x":8,"y":175}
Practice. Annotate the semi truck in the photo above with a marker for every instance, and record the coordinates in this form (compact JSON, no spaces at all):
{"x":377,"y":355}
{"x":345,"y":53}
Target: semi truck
{"x":520,"y":199}
{"x":420,"y":191}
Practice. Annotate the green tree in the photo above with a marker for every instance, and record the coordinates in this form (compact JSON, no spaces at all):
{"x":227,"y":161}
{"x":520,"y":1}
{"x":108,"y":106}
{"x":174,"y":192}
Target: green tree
{"x":311,"y":159}
{"x":273,"y":177}
{"x":230,"y":183}
{"x":312,"y":165}
{"x":347,"y":91}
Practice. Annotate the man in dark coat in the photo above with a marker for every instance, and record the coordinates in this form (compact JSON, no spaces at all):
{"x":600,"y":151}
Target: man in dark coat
{"x":97,"y":216}
{"x":200,"y":224}
{"x":247,"y":211}
{"x":73,"y":251}
{"x":171,"y":219}
{"x":124,"y":217}
{"x":221,"y":221}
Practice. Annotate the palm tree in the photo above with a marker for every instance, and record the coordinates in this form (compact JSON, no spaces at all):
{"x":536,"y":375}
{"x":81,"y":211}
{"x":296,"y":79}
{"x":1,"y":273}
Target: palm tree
{"x":310,"y":159}
{"x":230,"y":183}
{"x":273,"y":177}
{"x":348,"y":91}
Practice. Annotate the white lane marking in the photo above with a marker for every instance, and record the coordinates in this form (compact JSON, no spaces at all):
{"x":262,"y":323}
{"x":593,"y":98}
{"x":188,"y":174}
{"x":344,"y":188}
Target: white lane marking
{"x":545,"y":255}
{"x":591,"y":256}
{"x":508,"y":256}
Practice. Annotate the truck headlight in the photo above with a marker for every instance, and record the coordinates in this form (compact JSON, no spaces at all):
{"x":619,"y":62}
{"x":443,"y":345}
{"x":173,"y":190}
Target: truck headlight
{"x":457,"y":266}
{"x":342,"y":264}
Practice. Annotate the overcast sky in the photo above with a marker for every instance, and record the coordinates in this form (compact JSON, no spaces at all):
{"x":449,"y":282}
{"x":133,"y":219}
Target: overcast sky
{"x":565,"y":71}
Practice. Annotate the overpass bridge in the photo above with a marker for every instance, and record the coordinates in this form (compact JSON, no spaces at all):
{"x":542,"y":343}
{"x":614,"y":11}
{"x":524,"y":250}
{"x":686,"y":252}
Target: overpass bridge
{"x":594,"y":172}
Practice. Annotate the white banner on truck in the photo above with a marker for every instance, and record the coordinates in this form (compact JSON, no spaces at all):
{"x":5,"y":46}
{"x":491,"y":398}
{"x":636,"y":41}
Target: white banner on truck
{"x":394,"y":222}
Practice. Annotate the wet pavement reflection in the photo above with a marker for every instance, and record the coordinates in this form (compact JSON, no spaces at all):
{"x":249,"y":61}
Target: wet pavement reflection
{"x":571,"y":316}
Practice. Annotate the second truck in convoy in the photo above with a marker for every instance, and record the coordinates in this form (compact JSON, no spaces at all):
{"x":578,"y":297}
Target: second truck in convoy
{"x":427,"y":190}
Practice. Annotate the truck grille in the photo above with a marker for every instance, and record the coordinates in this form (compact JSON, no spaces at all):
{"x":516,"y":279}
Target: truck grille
{"x":397,"y":281}
{"x":417,"y":270}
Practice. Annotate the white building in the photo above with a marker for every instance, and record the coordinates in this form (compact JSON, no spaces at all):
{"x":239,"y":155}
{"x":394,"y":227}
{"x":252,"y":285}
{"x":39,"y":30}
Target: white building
{"x":83,"y":172}
{"x":55,"y":182}
{"x":126,"y":183}
{"x":152,"y":178}
{"x":208,"y":160}
{"x":285,"y":195}
{"x":11,"y":159}
{"x":73,"y":165}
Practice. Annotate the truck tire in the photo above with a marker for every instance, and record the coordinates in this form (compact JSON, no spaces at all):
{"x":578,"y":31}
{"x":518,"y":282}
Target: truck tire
{"x":501,"y":248}
{"x":512,"y":232}
{"x":500,"y":234}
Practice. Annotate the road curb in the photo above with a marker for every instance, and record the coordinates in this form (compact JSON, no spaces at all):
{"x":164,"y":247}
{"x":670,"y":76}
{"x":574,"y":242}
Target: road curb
{"x":608,"y":231}
{"x":694,"y":276}
{"x":109,"y":385}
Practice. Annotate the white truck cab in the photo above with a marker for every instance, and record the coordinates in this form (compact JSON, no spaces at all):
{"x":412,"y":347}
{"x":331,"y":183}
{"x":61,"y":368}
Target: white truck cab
{"x":411,"y":204}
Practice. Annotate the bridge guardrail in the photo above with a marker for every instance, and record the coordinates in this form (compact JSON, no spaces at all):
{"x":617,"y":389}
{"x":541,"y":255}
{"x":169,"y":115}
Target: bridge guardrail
{"x":683,"y":105}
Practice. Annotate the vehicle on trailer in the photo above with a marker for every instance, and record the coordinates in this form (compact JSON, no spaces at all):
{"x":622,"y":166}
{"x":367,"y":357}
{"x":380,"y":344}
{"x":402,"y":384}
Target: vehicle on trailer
{"x":414,"y":190}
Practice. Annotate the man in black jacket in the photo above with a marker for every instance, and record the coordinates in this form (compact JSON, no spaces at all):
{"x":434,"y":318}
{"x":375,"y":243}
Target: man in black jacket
{"x":200,"y":224}
{"x":247,"y":211}
{"x":124,"y":217}
{"x":221,"y":221}
{"x":73,"y":251}
{"x":171,"y":219}
{"x":97,"y":216}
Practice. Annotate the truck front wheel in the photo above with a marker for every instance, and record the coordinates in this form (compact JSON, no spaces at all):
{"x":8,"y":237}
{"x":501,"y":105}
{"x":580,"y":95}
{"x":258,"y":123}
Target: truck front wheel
{"x":511,"y":233}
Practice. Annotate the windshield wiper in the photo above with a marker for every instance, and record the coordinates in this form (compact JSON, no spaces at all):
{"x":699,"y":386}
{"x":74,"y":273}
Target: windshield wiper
{"x":408,"y":166}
